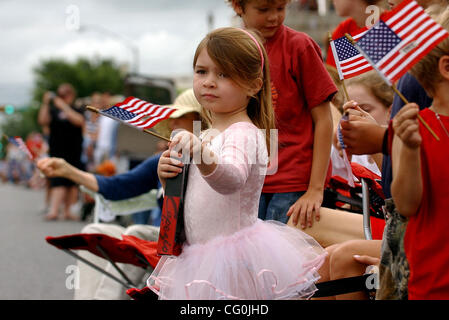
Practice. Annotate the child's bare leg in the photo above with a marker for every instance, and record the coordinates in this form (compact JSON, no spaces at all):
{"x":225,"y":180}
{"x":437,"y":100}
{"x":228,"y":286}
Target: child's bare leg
{"x":343,"y":265}
{"x":335,"y":226}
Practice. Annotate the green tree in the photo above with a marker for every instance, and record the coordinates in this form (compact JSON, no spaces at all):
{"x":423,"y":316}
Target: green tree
{"x":87,"y":76}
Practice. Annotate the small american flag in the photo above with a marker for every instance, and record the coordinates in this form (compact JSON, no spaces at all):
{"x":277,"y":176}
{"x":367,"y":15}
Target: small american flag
{"x":400,"y":39}
{"x":18,"y":142}
{"x":349,"y":61}
{"x":138,"y":113}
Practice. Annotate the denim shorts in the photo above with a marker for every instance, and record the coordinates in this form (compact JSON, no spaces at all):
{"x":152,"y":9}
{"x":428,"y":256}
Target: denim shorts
{"x":274,"y":206}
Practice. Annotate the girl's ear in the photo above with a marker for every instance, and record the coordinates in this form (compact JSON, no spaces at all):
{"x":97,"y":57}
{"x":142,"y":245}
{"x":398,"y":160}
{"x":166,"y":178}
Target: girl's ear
{"x":256,"y":87}
{"x":443,"y":67}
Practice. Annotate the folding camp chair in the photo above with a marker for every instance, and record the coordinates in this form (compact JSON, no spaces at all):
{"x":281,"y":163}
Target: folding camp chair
{"x":106,"y":210}
{"x":366,"y":197}
{"x":129,"y":249}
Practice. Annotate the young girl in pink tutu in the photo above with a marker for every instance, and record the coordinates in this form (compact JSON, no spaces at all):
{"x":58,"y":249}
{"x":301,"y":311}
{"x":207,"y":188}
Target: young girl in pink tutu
{"x":229,"y":253}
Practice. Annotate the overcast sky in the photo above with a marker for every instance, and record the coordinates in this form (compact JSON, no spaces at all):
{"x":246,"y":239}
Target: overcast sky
{"x":166,"y":33}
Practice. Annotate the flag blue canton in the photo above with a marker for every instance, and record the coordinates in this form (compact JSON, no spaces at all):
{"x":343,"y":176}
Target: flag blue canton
{"x":119,"y":113}
{"x":13,"y":141}
{"x":345,"y":49}
{"x":378,"y":41}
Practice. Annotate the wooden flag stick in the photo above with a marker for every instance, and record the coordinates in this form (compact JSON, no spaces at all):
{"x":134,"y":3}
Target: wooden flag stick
{"x":393,"y":86}
{"x":345,"y":90}
{"x":90,"y":108}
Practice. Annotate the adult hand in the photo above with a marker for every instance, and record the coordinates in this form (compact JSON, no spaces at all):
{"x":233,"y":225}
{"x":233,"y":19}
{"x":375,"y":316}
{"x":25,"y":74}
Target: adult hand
{"x":54,"y":167}
{"x":361,"y":135}
{"x":305,"y":207}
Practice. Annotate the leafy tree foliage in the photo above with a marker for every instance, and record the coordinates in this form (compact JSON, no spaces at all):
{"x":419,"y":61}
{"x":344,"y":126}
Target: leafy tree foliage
{"x":85,"y":75}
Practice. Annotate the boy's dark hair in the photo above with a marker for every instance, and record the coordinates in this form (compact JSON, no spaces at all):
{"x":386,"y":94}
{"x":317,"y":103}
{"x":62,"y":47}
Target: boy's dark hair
{"x":242,"y":3}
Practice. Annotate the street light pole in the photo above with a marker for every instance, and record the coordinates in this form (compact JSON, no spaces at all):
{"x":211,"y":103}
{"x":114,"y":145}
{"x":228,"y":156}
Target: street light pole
{"x":128,"y":43}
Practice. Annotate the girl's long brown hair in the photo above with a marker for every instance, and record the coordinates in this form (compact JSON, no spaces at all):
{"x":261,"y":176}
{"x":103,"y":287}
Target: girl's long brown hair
{"x":233,"y":51}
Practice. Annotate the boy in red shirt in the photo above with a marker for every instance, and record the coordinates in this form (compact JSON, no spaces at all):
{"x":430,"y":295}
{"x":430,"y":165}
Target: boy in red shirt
{"x":302,"y":89}
{"x":420,"y":186}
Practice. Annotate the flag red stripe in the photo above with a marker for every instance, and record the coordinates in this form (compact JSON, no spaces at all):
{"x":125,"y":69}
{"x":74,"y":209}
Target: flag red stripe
{"x":388,"y":15}
{"x":389,"y":68}
{"x":124,"y":102}
{"x":130,"y":105}
{"x":159,"y":119}
{"x":151,"y":115}
{"x":150,"y":108}
{"x":406,"y":67}
{"x":358,"y":59}
{"x":350,"y":75}
{"x":151,"y":121}
{"x":421,"y":40}
{"x":135,"y":107}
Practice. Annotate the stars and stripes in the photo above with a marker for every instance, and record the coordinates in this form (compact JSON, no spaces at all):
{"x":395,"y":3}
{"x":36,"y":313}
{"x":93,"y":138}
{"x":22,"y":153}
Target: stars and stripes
{"x":18,"y":142}
{"x":138,"y":113}
{"x":400,"y":39}
{"x":349,"y":61}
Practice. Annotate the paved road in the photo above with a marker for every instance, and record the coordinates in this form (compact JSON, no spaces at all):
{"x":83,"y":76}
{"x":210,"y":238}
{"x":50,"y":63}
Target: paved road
{"x":29,"y":267}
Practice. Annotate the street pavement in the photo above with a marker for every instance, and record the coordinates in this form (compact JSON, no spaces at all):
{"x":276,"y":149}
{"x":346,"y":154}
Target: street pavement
{"x":30,"y":268}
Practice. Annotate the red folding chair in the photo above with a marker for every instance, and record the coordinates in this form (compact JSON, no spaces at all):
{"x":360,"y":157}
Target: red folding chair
{"x":130,"y":250}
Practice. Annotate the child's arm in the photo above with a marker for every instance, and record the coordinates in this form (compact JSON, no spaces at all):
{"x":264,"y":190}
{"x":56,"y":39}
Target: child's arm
{"x":204,"y":158}
{"x":229,"y":171}
{"x":302,"y":210}
{"x":406,"y":187}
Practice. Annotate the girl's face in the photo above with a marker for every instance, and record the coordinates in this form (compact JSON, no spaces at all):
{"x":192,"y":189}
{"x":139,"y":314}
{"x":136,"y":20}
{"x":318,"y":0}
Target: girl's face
{"x":264,"y":16}
{"x":215,"y":90}
{"x":368,"y":102}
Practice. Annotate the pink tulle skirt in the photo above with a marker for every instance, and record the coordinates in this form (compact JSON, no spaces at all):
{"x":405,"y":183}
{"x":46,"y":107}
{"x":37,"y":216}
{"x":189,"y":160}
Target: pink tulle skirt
{"x":268,"y":260}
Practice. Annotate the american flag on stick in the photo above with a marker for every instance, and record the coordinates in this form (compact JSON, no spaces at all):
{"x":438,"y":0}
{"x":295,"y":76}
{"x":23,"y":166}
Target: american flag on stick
{"x":18,"y":142}
{"x":137,"y":113}
{"x":348,"y":60}
{"x":400,"y":39}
